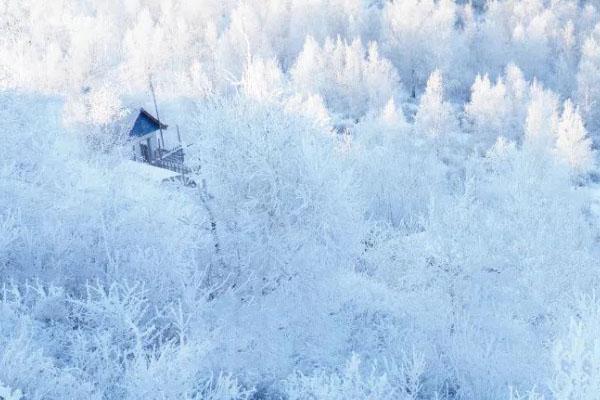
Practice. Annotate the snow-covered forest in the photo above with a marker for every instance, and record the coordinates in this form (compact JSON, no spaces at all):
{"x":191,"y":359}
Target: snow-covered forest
{"x":393,"y":199}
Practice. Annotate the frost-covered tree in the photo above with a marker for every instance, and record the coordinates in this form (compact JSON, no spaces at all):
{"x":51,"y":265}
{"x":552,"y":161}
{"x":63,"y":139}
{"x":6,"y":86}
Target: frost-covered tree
{"x":488,"y":108}
{"x":351,"y":80}
{"x":542,"y":118}
{"x":262,"y":80}
{"x":498,"y":109}
{"x":568,"y":57}
{"x":573,"y":145}
{"x":279,"y":167}
{"x":284,"y":231}
{"x":403,"y":383}
{"x":435,"y":116}
{"x":588,"y":82}
{"x":395,"y":173}
{"x":419,"y":36}
{"x":506,"y":249}
{"x":576,"y":372}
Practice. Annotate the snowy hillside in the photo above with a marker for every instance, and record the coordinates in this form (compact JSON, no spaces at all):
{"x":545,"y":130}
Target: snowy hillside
{"x":340,"y":199}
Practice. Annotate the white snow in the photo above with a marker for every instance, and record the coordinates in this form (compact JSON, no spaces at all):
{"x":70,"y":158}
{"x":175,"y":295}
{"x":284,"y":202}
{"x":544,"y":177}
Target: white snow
{"x":392,"y":200}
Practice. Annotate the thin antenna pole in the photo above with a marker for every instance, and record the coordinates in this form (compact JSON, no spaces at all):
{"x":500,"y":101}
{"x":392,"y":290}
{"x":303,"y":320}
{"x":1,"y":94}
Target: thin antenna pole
{"x":182,"y":155}
{"x":157,"y":115}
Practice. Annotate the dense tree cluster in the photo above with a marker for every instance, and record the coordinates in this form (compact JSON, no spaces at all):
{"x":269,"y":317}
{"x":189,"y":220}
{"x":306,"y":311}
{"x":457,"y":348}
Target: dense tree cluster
{"x":395,"y":199}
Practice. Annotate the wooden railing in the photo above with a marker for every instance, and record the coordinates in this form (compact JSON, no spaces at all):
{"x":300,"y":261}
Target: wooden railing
{"x":173,"y":160}
{"x":175,"y":166}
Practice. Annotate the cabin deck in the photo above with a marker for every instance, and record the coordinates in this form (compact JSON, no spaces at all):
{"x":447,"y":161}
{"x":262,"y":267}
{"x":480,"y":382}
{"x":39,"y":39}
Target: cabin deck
{"x":171,"y":160}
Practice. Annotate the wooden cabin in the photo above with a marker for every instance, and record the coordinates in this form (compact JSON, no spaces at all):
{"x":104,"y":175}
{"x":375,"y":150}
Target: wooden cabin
{"x":147,"y":144}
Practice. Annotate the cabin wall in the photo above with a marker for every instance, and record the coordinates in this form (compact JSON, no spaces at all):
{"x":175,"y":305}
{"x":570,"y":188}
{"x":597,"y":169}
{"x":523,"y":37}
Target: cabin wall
{"x":136,"y":146}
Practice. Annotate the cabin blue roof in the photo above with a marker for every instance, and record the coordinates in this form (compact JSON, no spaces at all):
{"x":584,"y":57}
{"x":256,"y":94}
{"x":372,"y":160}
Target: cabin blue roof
{"x":144,"y":124}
